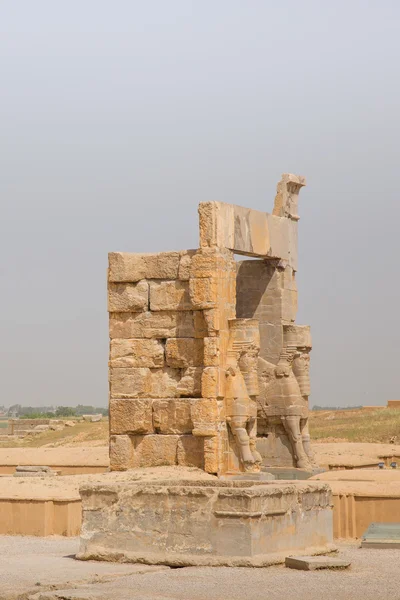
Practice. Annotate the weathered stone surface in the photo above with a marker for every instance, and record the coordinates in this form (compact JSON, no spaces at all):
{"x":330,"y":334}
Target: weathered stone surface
{"x":200,"y":325}
{"x":162,"y":324}
{"x":279,"y":235}
{"x":297,"y":335}
{"x":289,"y":306}
{"x":213,"y":383}
{"x":184,"y":352}
{"x":136,"y":353}
{"x":131,"y":416}
{"x":240,"y":229}
{"x":185,"y":264}
{"x":170,"y":295}
{"x":287,"y":194}
{"x":172,"y":415}
{"x":259,"y":295}
{"x":154,"y":450}
{"x":121,"y":452}
{"x":173,"y":344}
{"x":212,"y":454}
{"x":212,"y":320}
{"x":128,"y":297}
{"x":203,"y":292}
{"x":312,"y":563}
{"x":206,"y":413}
{"x":258,"y":522}
{"x":190,"y":451}
{"x":211,"y":262}
{"x":190,"y":383}
{"x":125,"y":266}
{"x":211,"y":351}
{"x":143,"y":382}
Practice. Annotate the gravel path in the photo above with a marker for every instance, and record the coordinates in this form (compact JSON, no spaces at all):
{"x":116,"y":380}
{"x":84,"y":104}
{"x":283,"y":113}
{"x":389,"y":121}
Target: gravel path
{"x":24,"y":561}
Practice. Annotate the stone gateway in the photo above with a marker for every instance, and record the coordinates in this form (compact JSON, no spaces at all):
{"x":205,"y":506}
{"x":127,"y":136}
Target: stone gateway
{"x":208,"y":369}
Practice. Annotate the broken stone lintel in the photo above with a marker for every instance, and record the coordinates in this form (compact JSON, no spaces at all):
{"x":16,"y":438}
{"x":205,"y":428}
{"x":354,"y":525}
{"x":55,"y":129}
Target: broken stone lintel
{"x":248,"y":232}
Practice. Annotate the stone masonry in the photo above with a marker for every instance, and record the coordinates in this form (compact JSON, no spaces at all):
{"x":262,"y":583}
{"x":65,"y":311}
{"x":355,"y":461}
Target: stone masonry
{"x":202,"y":347}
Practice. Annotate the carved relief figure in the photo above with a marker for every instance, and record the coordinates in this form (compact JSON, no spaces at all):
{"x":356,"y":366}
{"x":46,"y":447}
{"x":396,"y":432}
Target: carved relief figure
{"x":284,"y":393}
{"x":242,"y":389}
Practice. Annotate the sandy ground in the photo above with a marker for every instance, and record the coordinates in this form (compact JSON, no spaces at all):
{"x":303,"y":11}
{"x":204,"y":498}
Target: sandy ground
{"x":345,"y":453}
{"x":363,"y":482}
{"x":67,"y":486}
{"x":352,"y":454}
{"x":47,"y":563}
{"x":62,"y":456}
{"x":30,"y":564}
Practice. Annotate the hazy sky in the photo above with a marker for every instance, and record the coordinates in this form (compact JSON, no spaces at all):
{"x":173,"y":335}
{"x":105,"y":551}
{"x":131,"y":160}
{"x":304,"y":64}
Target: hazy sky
{"x":119,"y":117}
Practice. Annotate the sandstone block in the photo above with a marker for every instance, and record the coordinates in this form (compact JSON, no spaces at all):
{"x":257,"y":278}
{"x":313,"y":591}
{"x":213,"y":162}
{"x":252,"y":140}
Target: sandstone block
{"x":143,"y":382}
{"x":287,"y":195}
{"x":131,"y":416}
{"x":293,"y":243}
{"x":289,"y":279}
{"x":203,"y":292}
{"x":185,"y":262}
{"x":297,"y":335}
{"x":172,"y":415}
{"x":162,"y":324}
{"x":211,"y":351}
{"x":190,"y":451}
{"x":124,"y":266}
{"x":214,"y":523}
{"x":200,"y":325}
{"x":205,"y":415}
{"x":190,"y":383}
{"x":212,"y":383}
{"x":170,"y":295}
{"x":279,"y":237}
{"x":251,"y":232}
{"x":313,"y":563}
{"x":136,"y":353}
{"x":289,"y":305}
{"x":242,"y":230}
{"x":212,"y":320}
{"x":184,"y":352}
{"x":212,"y":461}
{"x":120,"y":452}
{"x":154,"y":450}
{"x":163,"y":265}
{"x":212,"y":262}
{"x":128,"y":297}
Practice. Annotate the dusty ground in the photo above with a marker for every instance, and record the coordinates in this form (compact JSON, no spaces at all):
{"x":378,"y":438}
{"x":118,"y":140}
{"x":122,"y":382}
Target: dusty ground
{"x":352,"y":454}
{"x":327,"y":453}
{"x":61,"y":456}
{"x":374,"y":575}
{"x":67,"y":486}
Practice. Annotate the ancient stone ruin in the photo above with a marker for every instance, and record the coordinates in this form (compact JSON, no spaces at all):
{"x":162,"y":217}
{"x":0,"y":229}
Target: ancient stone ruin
{"x":205,"y":354}
{"x":209,"y":370}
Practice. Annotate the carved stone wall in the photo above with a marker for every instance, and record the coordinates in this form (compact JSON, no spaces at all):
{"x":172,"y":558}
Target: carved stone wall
{"x":181,"y":390}
{"x":169,"y":332}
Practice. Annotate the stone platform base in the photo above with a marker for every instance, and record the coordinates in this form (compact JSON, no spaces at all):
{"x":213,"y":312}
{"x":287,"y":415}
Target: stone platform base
{"x":290,"y":472}
{"x":195,"y":522}
{"x":361,"y":496}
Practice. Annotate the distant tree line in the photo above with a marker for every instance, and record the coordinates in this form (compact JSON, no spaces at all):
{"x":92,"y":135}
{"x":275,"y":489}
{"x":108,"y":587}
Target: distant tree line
{"x":316,"y":407}
{"x":51,"y":412}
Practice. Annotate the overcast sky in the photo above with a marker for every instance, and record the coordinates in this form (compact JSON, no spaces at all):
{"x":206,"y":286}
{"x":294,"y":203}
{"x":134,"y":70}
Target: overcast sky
{"x":119,"y":117}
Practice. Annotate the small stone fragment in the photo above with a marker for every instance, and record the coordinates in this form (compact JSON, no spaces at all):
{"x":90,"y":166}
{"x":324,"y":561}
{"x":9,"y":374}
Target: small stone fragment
{"x":312,"y":563}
